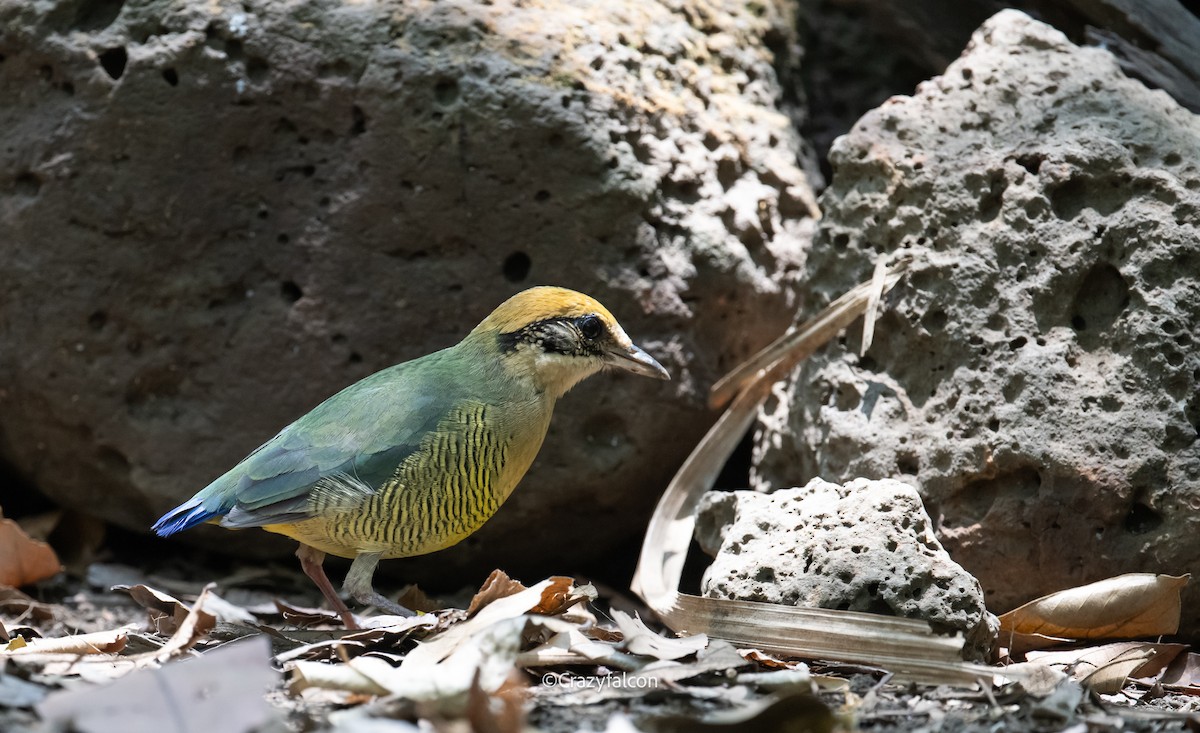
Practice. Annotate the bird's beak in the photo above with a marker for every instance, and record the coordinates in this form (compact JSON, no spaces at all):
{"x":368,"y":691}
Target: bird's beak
{"x":635,"y":360}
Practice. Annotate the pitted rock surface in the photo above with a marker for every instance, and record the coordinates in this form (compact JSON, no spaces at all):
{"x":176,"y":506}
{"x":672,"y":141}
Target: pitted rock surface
{"x":865,"y":546}
{"x":1037,"y":376}
{"x":213,"y":215}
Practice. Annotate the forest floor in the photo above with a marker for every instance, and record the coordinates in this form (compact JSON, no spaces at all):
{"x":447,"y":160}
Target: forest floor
{"x":137,"y":681}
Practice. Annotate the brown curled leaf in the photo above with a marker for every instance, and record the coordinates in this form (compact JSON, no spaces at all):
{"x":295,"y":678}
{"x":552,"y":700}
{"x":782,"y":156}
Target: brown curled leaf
{"x":1127,"y":606}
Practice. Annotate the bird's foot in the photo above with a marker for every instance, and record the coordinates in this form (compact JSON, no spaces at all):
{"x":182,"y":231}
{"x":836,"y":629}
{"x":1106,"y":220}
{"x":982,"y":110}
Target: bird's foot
{"x":383,"y":603}
{"x":358,"y":585}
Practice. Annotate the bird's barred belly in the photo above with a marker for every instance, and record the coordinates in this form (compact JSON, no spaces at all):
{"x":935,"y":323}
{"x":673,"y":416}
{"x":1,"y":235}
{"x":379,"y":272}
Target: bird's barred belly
{"x":437,"y":498}
{"x":399,"y":522}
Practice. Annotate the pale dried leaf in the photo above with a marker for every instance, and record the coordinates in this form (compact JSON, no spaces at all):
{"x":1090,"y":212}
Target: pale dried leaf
{"x":488,"y":655}
{"x":169,"y":700}
{"x":405,"y":625}
{"x":571,"y":647}
{"x":1110,"y":676}
{"x":640,"y":639}
{"x":1106,"y":667}
{"x":1131,"y":605}
{"x":99,"y":642}
{"x":306,"y":675}
{"x":24,"y":560}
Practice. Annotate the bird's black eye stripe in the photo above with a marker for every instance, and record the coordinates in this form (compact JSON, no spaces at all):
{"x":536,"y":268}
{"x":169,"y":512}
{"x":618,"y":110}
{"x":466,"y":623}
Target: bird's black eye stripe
{"x":558,"y":335}
{"x":590,"y":326}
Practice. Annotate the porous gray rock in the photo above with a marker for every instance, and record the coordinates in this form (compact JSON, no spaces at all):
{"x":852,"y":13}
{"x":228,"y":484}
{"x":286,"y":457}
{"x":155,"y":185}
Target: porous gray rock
{"x":1037,"y":375}
{"x":865,"y":546}
{"x":214,"y":215}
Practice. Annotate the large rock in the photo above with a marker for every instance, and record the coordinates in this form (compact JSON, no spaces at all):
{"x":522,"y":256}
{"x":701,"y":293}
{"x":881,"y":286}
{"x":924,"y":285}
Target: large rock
{"x":214,"y":215}
{"x":865,"y":546}
{"x":1037,"y":376}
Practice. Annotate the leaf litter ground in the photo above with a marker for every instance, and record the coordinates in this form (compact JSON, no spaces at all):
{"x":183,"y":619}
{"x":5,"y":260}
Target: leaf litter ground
{"x":116,"y":649}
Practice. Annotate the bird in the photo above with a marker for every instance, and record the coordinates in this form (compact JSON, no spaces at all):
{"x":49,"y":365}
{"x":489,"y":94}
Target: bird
{"x":418,"y":456}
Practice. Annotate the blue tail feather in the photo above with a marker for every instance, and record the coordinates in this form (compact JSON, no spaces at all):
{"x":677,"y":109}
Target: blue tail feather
{"x":185,"y":516}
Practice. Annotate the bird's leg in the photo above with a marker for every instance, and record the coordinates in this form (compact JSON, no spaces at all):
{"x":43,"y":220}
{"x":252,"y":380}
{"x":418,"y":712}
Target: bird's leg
{"x":358,"y":585}
{"x":311,"y":560}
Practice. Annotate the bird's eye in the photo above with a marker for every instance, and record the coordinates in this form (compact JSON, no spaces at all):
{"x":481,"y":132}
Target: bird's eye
{"x":590,"y":326}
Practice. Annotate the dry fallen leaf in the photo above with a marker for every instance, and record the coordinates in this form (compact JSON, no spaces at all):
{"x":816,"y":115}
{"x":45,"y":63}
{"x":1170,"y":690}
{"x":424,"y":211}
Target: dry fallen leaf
{"x":498,"y":585}
{"x":321,"y":675}
{"x":194,"y":627}
{"x":304,"y":616}
{"x":166,"y":612}
{"x":1105,"y":668}
{"x":1110,"y":677}
{"x":571,"y":647}
{"x":641,"y":640}
{"x":100,"y":642}
{"x":442,"y":669}
{"x":24,"y":560}
{"x":1130,"y":606}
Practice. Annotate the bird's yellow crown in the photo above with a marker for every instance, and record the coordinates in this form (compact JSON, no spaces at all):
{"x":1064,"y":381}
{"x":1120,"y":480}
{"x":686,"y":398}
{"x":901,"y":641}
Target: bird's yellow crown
{"x":540,"y":304}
